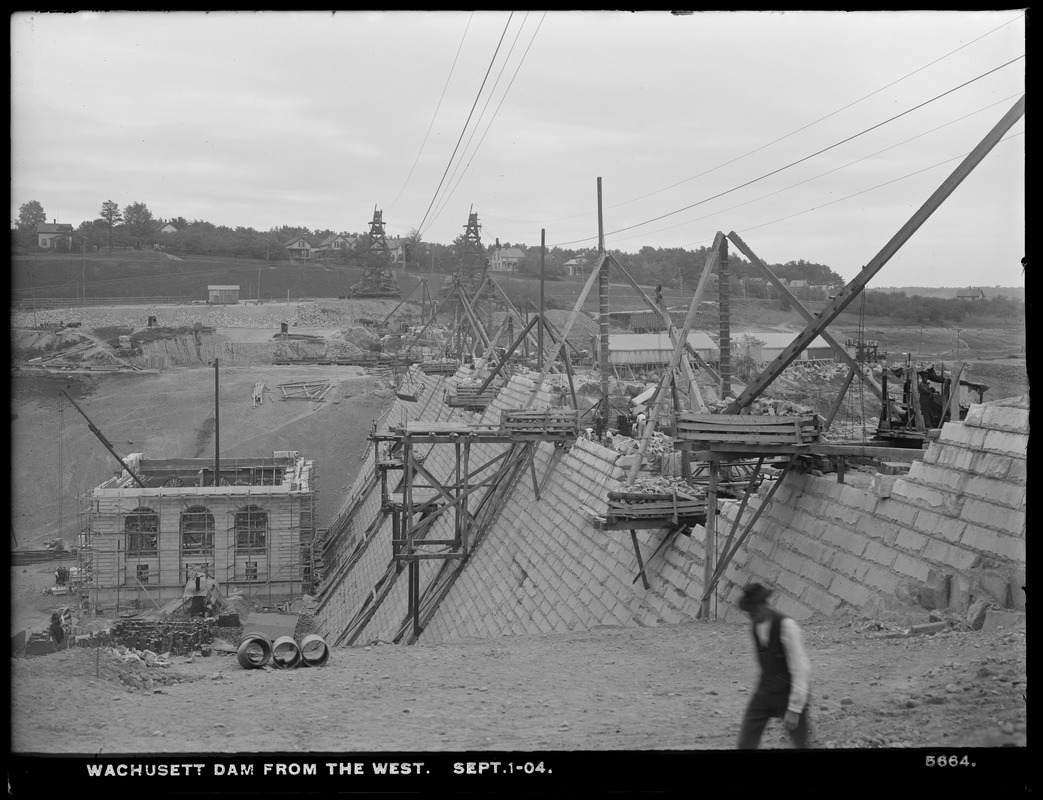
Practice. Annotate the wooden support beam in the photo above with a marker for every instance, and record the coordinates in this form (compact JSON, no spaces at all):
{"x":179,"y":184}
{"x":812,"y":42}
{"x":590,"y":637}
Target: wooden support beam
{"x":954,"y":397}
{"x":711,"y":535}
{"x":640,"y":563}
{"x":851,"y":291}
{"x":742,"y":506}
{"x":530,"y":447}
{"x":840,"y":399}
{"x":506,"y":358}
{"x":675,"y":358}
{"x":556,"y":349}
{"x":671,"y":533}
{"x":838,"y":348}
{"x":695,"y":398}
{"x":723,"y":563}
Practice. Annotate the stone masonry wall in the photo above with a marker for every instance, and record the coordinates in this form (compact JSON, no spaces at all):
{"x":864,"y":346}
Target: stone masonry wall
{"x":950,"y":532}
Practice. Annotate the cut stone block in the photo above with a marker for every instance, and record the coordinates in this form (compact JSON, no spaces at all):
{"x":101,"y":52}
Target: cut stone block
{"x":996,"y":619}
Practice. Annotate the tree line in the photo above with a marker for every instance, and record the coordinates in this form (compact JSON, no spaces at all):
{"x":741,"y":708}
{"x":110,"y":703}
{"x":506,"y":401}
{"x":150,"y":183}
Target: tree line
{"x":135,"y":227}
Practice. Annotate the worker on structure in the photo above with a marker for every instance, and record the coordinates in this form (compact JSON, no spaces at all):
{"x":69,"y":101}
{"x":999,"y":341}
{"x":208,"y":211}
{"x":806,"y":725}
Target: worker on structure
{"x":641,"y":424}
{"x":782,"y":690}
{"x":58,"y":632}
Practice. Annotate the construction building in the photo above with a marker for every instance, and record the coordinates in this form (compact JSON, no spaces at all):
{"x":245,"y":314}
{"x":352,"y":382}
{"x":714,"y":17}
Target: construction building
{"x":154,"y":526}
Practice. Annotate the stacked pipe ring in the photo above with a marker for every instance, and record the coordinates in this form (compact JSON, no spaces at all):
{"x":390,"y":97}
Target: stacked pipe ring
{"x":255,"y":649}
{"x":286,"y":653}
{"x":314,"y":651}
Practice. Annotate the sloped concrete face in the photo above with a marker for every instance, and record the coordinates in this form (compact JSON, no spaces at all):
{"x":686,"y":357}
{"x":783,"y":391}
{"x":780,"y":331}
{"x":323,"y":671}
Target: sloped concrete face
{"x":950,"y":532}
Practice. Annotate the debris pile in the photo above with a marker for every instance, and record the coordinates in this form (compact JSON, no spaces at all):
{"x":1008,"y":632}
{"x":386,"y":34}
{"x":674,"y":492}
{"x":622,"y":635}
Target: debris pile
{"x":179,"y":637}
{"x":766,"y":406}
{"x":658,"y":444}
{"x":660,"y":484}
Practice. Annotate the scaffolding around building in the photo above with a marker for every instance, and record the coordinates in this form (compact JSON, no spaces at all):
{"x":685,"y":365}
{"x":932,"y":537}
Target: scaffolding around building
{"x":253,"y":533}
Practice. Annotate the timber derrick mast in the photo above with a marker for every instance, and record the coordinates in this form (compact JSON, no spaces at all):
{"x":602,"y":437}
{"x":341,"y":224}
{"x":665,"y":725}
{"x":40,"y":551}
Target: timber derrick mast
{"x":468,"y":281}
{"x":377,"y":278}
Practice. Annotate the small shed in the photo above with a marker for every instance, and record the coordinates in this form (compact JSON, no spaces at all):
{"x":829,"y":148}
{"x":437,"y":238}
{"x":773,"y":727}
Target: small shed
{"x":222,"y":295}
{"x":766,"y":347}
{"x":640,"y":349}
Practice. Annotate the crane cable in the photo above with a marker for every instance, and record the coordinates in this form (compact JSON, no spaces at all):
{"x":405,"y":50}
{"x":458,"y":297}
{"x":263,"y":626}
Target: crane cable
{"x":799,"y":160}
{"x":435,"y":115}
{"x":474,"y":105}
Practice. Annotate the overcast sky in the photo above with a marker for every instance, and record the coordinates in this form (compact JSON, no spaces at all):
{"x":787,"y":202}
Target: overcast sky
{"x":313,"y":119}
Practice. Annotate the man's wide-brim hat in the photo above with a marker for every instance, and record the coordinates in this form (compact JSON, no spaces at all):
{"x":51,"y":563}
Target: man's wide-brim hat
{"x":753,"y":595}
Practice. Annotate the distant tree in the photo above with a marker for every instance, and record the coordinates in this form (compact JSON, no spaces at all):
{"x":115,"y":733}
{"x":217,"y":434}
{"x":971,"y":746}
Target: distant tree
{"x":30,"y":215}
{"x":110,"y":212}
{"x":138,"y":222}
{"x":91,"y":234}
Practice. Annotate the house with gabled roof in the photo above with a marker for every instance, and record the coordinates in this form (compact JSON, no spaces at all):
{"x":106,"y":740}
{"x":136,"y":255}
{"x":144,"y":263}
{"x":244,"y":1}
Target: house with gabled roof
{"x":505,"y":259}
{"x":53,"y":234}
{"x":299,"y":248}
{"x":970,"y":294}
{"x":576,"y":267}
{"x":333,"y":244}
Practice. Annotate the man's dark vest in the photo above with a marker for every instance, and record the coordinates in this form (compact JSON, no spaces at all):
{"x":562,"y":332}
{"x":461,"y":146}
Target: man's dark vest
{"x":775,"y":675}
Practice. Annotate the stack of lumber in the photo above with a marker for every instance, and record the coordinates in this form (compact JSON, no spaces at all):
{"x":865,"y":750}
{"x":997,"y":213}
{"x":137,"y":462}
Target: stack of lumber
{"x":556,"y":422}
{"x":723,"y":429}
{"x":468,"y":396}
{"x":441,"y":367}
{"x":305,"y":390}
{"x":655,"y":497}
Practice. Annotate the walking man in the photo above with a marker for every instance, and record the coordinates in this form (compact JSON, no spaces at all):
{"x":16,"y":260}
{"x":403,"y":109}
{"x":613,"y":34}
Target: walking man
{"x":782,"y":690}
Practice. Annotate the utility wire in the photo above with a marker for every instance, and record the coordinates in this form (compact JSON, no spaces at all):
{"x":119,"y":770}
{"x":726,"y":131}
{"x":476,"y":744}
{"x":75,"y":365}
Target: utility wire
{"x":781,"y":138}
{"x":856,"y":194}
{"x":496,"y":112}
{"x":474,"y":105}
{"x":799,"y":160}
{"x":445,"y":197}
{"x":822,"y":174}
{"x":435,"y":115}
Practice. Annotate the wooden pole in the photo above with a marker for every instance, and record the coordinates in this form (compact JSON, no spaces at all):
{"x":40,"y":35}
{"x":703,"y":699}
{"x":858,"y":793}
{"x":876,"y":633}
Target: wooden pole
{"x":603,"y":311}
{"x":954,"y":394}
{"x":566,"y":331}
{"x":711,"y":536}
{"x":217,"y":427}
{"x":724,"y":314}
{"x":543,"y":277}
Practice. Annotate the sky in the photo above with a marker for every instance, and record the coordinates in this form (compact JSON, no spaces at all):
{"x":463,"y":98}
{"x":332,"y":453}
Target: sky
{"x":813,"y":135}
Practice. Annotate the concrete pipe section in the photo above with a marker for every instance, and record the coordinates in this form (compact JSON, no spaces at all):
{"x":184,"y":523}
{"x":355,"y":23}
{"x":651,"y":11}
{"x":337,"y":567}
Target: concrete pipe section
{"x":314,"y":651}
{"x":255,"y":649}
{"x":286,"y":653}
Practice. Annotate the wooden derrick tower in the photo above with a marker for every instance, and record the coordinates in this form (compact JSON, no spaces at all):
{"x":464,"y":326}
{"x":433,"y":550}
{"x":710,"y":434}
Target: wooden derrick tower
{"x":377,"y":278}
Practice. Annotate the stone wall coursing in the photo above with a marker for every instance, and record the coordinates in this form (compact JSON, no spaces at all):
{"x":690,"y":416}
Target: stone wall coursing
{"x":950,"y":532}
{"x":440,"y":461}
{"x":343,"y":595}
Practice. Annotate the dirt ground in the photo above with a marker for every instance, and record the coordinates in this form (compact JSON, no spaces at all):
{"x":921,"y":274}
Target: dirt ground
{"x":611,"y":688}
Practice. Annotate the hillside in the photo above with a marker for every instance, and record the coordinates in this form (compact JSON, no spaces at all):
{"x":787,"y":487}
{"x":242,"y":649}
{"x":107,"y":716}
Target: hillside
{"x":946,"y":292}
